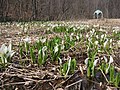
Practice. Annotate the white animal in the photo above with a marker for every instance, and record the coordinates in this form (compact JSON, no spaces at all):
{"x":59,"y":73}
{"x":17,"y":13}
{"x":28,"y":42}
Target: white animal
{"x":98,"y":14}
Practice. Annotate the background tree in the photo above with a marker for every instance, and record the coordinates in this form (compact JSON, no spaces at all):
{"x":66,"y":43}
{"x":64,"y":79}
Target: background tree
{"x":56,"y":9}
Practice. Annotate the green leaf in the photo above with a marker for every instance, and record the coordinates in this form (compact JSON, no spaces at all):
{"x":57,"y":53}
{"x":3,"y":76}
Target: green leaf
{"x":65,"y":67}
{"x":32,"y":55}
{"x":73,"y":65}
{"x":27,"y":47}
{"x":21,"y":51}
{"x":117,"y":79}
{"x":40,"y":58}
{"x":88,"y":72}
{"x":112,"y":74}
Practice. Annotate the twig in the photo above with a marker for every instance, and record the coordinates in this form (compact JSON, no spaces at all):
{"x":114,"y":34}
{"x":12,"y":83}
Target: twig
{"x":69,"y":77}
{"x":52,"y":86}
{"x":104,"y":75}
{"x":73,"y":84}
{"x":17,"y":83}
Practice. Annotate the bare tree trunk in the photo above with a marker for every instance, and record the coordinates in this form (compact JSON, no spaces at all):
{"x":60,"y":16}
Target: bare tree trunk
{"x":106,"y":8}
{"x":34,"y":9}
{"x":1,"y":10}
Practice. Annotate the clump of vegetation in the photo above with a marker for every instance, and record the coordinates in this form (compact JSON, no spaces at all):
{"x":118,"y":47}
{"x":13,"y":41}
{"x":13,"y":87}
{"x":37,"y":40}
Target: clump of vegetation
{"x":6,"y":53}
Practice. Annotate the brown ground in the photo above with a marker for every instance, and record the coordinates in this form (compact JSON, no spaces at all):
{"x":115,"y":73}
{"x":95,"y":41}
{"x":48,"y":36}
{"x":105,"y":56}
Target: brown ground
{"x":9,"y":32}
{"x":106,"y":22}
{"x":12,"y":32}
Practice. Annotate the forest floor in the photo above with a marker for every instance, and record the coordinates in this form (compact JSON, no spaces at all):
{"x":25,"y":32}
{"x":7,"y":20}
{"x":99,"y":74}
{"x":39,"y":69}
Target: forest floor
{"x":23,"y":75}
{"x":10,"y":32}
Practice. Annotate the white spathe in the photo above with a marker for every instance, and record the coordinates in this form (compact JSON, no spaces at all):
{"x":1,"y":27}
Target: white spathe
{"x":27,"y":39}
{"x":56,"y":48}
{"x":110,"y":61}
